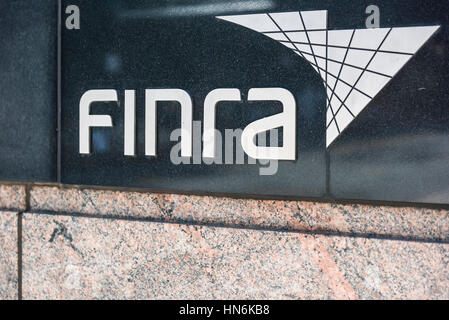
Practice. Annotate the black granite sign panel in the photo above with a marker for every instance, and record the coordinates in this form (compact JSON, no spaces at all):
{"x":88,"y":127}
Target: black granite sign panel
{"x":316,"y":99}
{"x":28,"y":73}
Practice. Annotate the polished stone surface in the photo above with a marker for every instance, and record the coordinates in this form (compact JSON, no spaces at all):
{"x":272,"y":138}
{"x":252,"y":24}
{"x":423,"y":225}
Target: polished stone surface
{"x":394,"y":150}
{"x":28,"y":109}
{"x":8,"y":256}
{"x":393,"y":222}
{"x":12,"y":197}
{"x":74,"y":257}
{"x":123,"y":45}
{"x":397,"y":149}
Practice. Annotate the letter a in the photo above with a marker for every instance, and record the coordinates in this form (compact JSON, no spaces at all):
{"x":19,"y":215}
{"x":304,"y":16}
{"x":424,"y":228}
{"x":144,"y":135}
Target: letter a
{"x":286,"y":120}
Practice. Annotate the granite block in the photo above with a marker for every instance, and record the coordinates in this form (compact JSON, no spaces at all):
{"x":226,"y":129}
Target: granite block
{"x":12,"y":197}
{"x":355,"y":219}
{"x":69,"y":257}
{"x":8,"y":256}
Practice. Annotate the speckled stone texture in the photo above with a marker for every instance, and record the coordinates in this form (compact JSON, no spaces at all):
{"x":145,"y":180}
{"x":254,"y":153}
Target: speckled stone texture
{"x":77,"y":257}
{"x":392,"y":222}
{"x":8,"y":255}
{"x":12,"y":197}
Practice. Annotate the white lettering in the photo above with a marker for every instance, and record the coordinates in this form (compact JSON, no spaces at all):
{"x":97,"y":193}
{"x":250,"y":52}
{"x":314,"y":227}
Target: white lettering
{"x":286,"y":119}
{"x":87,"y":120}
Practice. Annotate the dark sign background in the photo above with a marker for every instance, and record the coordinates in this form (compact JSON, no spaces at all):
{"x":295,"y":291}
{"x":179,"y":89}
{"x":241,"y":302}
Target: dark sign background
{"x":28,"y":74}
{"x":397,"y":149}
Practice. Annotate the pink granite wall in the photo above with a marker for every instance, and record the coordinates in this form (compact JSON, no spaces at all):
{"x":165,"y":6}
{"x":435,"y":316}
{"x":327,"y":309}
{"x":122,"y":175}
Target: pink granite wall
{"x":60,"y":242}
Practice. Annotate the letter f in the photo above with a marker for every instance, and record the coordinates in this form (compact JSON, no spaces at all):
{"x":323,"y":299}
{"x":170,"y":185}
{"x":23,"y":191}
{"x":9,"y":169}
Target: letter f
{"x":87,"y":120}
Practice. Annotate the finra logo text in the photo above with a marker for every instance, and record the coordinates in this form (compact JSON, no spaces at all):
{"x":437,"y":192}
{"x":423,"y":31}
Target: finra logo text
{"x":286,"y":119}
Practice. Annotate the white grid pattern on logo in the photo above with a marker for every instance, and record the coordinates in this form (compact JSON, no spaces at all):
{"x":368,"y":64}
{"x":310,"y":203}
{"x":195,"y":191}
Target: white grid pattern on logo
{"x":355,"y":65}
